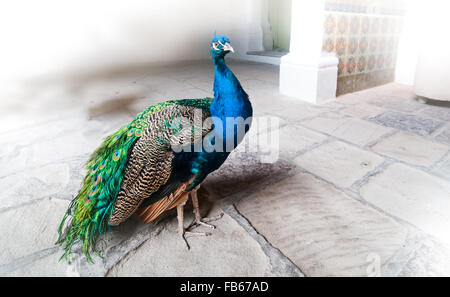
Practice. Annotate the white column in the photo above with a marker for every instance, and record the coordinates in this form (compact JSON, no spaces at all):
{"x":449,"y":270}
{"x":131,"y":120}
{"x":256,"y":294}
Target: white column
{"x":307,"y":73}
{"x":255,"y":33}
{"x":266,"y":28}
{"x":408,"y":47}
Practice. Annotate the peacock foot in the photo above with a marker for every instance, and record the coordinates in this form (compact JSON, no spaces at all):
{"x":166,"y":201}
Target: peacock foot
{"x":199,"y":221}
{"x":182,"y":231}
{"x":204,"y":222}
{"x":185,"y":234}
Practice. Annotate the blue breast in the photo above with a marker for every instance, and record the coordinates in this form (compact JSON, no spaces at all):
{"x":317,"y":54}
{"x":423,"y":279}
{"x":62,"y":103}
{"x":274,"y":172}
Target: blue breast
{"x":231,"y":112}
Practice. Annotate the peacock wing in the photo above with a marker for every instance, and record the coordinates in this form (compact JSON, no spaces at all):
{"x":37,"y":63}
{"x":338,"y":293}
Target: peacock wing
{"x":150,"y":162}
{"x":89,"y":213}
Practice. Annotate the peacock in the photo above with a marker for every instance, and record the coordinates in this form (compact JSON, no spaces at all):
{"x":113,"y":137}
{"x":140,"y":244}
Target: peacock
{"x":158,"y":160}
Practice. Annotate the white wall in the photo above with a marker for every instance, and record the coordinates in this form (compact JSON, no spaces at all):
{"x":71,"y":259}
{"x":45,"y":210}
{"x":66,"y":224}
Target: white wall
{"x":409,"y":44}
{"x":280,"y":21}
{"x":50,"y":36}
{"x":424,"y":36}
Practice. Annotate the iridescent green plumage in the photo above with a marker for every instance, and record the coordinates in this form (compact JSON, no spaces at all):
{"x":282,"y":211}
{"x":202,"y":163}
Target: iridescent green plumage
{"x":92,"y":208}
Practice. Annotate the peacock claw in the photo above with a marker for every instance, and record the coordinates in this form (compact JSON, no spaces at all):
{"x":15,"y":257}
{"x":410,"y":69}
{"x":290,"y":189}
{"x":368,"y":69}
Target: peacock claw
{"x":183,"y":232}
{"x":196,"y":223}
{"x":196,"y":233}
{"x":185,"y":241}
{"x":187,"y":234}
{"x":204,"y":222}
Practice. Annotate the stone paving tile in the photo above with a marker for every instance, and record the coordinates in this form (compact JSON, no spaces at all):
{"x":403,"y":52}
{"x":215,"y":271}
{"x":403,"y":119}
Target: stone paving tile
{"x":394,"y":91}
{"x":323,"y":231}
{"x":325,"y":122}
{"x":350,"y":99}
{"x":22,"y":137}
{"x":249,"y":70}
{"x":123,"y":239}
{"x":264,"y":123}
{"x":291,"y":139}
{"x":242,"y":171}
{"x":407,"y":122}
{"x":443,"y":168}
{"x":33,"y":184}
{"x":256,"y":84}
{"x":48,"y":266}
{"x":353,"y":130}
{"x":412,"y":195}
{"x":363,"y":110}
{"x":170,"y":93}
{"x":297,"y":138}
{"x":229,"y":251}
{"x":440,"y":111}
{"x":48,"y":151}
{"x":296,"y":111}
{"x":397,"y":90}
{"x":411,"y":149}
{"x":406,"y":105}
{"x":431,"y":259}
{"x":116,"y":103}
{"x":339,"y":163}
{"x":444,"y":136}
{"x":30,"y":228}
{"x":334,"y":104}
{"x":264,"y":103}
{"x":393,"y":97}
{"x":360,"y":132}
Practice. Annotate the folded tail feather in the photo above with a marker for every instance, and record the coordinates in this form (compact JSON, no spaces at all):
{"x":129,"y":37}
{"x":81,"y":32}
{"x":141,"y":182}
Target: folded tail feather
{"x":91,"y":209}
{"x":152,"y":212}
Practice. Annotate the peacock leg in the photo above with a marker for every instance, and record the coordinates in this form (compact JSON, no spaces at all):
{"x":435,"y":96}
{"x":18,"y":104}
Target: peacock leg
{"x":198,"y":218}
{"x":181,"y":230}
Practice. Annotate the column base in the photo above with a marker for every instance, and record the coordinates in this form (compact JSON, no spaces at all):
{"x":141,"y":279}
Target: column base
{"x":309,"y":81}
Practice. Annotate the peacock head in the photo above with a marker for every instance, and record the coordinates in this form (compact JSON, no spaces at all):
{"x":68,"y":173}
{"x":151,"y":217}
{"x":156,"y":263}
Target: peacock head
{"x":220,"y":46}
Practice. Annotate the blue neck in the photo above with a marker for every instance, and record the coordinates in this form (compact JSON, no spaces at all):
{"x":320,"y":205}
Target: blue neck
{"x":230,"y":100}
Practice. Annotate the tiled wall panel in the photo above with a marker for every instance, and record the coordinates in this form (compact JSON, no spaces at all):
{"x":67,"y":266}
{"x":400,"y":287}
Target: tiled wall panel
{"x":364,"y":35}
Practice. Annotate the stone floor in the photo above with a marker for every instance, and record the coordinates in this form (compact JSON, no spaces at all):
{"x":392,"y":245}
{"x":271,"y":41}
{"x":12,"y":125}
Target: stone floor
{"x":360,"y":186}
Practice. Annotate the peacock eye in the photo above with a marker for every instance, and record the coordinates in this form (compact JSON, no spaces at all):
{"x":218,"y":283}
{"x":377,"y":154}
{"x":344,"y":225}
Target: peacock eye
{"x":216,"y":45}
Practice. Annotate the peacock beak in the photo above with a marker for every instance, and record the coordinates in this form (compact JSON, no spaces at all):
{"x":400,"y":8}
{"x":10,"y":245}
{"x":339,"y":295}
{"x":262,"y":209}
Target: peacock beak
{"x":227,"y":47}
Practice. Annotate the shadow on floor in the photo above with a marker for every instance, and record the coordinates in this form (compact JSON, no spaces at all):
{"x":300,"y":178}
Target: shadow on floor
{"x":116,"y":105}
{"x":243,"y":172}
{"x":76,"y":80}
{"x":438,"y":103}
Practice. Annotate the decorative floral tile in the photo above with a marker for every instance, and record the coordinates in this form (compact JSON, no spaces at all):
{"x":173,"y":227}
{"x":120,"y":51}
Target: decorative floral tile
{"x":371,"y":62}
{"x":330,"y":24}
{"x":380,"y":61}
{"x":373,"y":44}
{"x":351,"y":65}
{"x":390,"y":43}
{"x":341,"y":46}
{"x":363,"y":44}
{"x":365,"y":24}
{"x":382,"y":44}
{"x":328,"y":44}
{"x":388,"y":61}
{"x":341,"y":66}
{"x":355,"y":24}
{"x":364,"y":35}
{"x":384,"y":7}
{"x":352,"y":45}
{"x":375,"y":25}
{"x":362,"y":63}
{"x":342,"y":24}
